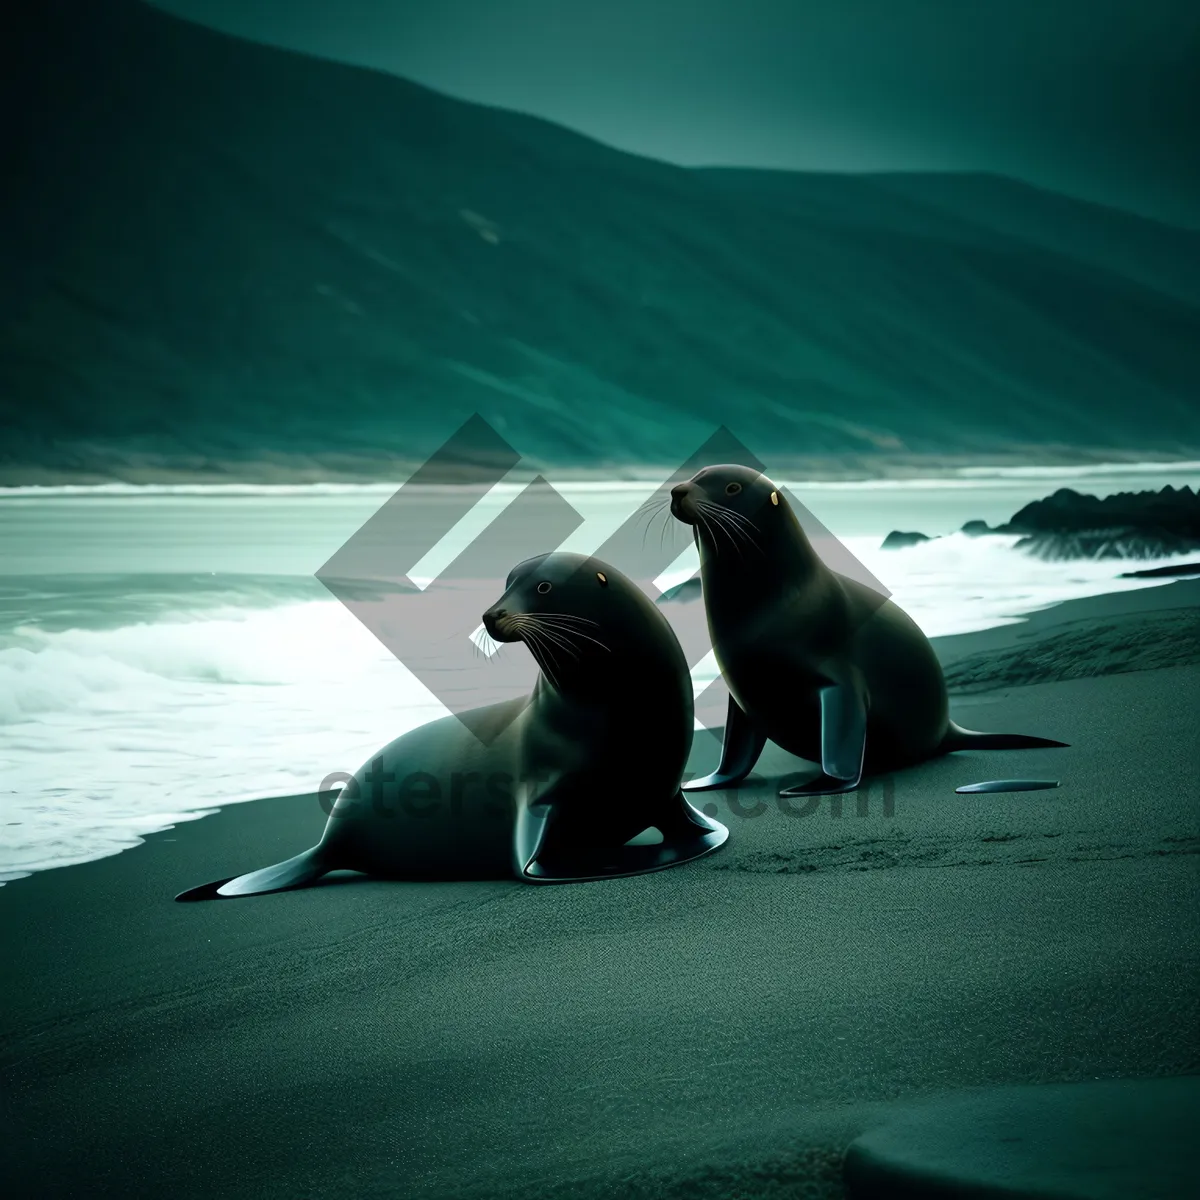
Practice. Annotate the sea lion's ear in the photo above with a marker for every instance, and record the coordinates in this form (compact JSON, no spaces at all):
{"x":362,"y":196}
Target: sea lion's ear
{"x":775,"y":498}
{"x":600,"y":575}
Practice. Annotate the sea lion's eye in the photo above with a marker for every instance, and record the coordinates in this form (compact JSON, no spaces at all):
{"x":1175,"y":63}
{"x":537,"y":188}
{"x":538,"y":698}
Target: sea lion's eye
{"x":543,"y":587}
{"x":600,"y":575}
{"x":732,"y":489}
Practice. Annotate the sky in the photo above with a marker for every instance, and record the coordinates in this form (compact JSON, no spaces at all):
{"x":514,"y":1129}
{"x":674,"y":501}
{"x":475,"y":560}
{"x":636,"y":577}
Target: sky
{"x":1097,"y":98}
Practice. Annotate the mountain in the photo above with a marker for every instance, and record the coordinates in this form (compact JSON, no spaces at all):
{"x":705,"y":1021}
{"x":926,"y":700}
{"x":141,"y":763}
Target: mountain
{"x":224,"y":256}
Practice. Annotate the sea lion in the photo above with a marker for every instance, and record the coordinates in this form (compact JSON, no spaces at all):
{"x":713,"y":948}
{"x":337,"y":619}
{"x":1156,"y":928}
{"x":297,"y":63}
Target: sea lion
{"x":549,"y":787}
{"x":819,"y":663}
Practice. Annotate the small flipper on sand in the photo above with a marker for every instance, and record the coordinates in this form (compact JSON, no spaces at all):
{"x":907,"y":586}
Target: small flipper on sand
{"x":1008,"y":785}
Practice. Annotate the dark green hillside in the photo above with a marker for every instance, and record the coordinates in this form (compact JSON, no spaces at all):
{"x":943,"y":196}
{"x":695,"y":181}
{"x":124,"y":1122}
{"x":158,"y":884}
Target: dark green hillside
{"x":221,"y":254}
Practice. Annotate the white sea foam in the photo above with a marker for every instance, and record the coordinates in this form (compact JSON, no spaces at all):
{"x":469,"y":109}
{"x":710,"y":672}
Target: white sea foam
{"x":108,"y":734}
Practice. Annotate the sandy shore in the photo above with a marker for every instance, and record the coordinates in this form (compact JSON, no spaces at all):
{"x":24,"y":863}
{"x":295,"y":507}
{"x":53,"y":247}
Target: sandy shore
{"x":721,"y":1029}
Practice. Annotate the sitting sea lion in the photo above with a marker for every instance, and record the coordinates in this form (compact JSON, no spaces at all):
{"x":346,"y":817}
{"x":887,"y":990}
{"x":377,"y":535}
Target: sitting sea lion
{"x":817,"y":662}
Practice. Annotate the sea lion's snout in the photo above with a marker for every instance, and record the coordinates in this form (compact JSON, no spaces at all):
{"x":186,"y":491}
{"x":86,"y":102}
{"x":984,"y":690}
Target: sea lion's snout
{"x":682,"y":503}
{"x":498,"y":625}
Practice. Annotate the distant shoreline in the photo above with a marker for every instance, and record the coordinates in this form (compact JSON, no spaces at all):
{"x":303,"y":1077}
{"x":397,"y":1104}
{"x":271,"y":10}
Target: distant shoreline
{"x":300,"y":470}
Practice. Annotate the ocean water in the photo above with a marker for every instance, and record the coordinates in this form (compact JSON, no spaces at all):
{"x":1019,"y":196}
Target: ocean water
{"x":165,"y":651}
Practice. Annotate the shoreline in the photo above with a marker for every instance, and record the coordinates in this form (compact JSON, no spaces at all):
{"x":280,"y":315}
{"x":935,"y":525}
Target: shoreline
{"x":369,"y":471}
{"x":977,"y":661}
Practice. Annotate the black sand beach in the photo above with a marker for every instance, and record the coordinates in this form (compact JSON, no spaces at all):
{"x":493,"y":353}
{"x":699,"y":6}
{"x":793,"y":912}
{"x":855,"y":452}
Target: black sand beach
{"x":722,"y":1029}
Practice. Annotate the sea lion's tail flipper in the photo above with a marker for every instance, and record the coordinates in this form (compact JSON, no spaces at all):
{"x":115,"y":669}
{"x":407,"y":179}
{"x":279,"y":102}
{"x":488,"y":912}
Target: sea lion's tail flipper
{"x":295,"y":872}
{"x":958,"y":738}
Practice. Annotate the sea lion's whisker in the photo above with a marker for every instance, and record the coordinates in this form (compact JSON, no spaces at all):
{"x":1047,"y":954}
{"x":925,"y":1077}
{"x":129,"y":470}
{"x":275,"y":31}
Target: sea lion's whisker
{"x":712,"y":537}
{"x":739,"y":518}
{"x":554,"y":637}
{"x":653,"y":503}
{"x":556,"y":634}
{"x":747,"y":537}
{"x":530,"y":638}
{"x":704,"y":513}
{"x":480,"y":651}
{"x":741,"y":537}
{"x":565,"y":632}
{"x":543,"y":657}
{"x":666,"y":527}
{"x":730,"y":531}
{"x":733,"y":521}
{"x":561,"y":645}
{"x":668,"y":524}
{"x":656,"y":506}
{"x":649,"y":509}
{"x":562,"y":621}
{"x":735,"y":532}
{"x":558,"y":637}
{"x":645,"y":528}
{"x":586,"y":637}
{"x":562,"y":617}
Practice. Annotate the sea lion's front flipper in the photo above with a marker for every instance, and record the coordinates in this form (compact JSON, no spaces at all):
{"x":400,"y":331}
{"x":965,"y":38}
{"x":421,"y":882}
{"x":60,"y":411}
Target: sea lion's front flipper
{"x":740,"y":748}
{"x":843,"y":742}
{"x":571,"y":851}
{"x":532,"y":823}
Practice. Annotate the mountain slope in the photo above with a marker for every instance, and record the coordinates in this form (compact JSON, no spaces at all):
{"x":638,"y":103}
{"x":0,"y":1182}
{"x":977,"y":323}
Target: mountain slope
{"x":223,"y":252}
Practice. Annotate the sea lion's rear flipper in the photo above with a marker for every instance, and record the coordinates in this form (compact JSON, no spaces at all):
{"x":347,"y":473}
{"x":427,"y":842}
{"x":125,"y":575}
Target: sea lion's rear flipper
{"x":740,"y":748}
{"x":958,"y":738}
{"x":295,"y":872}
{"x":843,"y":742}
{"x":552,"y":849}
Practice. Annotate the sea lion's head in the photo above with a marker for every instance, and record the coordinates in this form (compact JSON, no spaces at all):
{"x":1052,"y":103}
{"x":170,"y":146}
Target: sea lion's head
{"x":552,"y":594}
{"x":583,"y":620}
{"x":729,"y":505}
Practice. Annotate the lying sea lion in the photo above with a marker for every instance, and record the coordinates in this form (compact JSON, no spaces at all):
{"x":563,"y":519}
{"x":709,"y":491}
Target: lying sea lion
{"x":578,"y":780}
